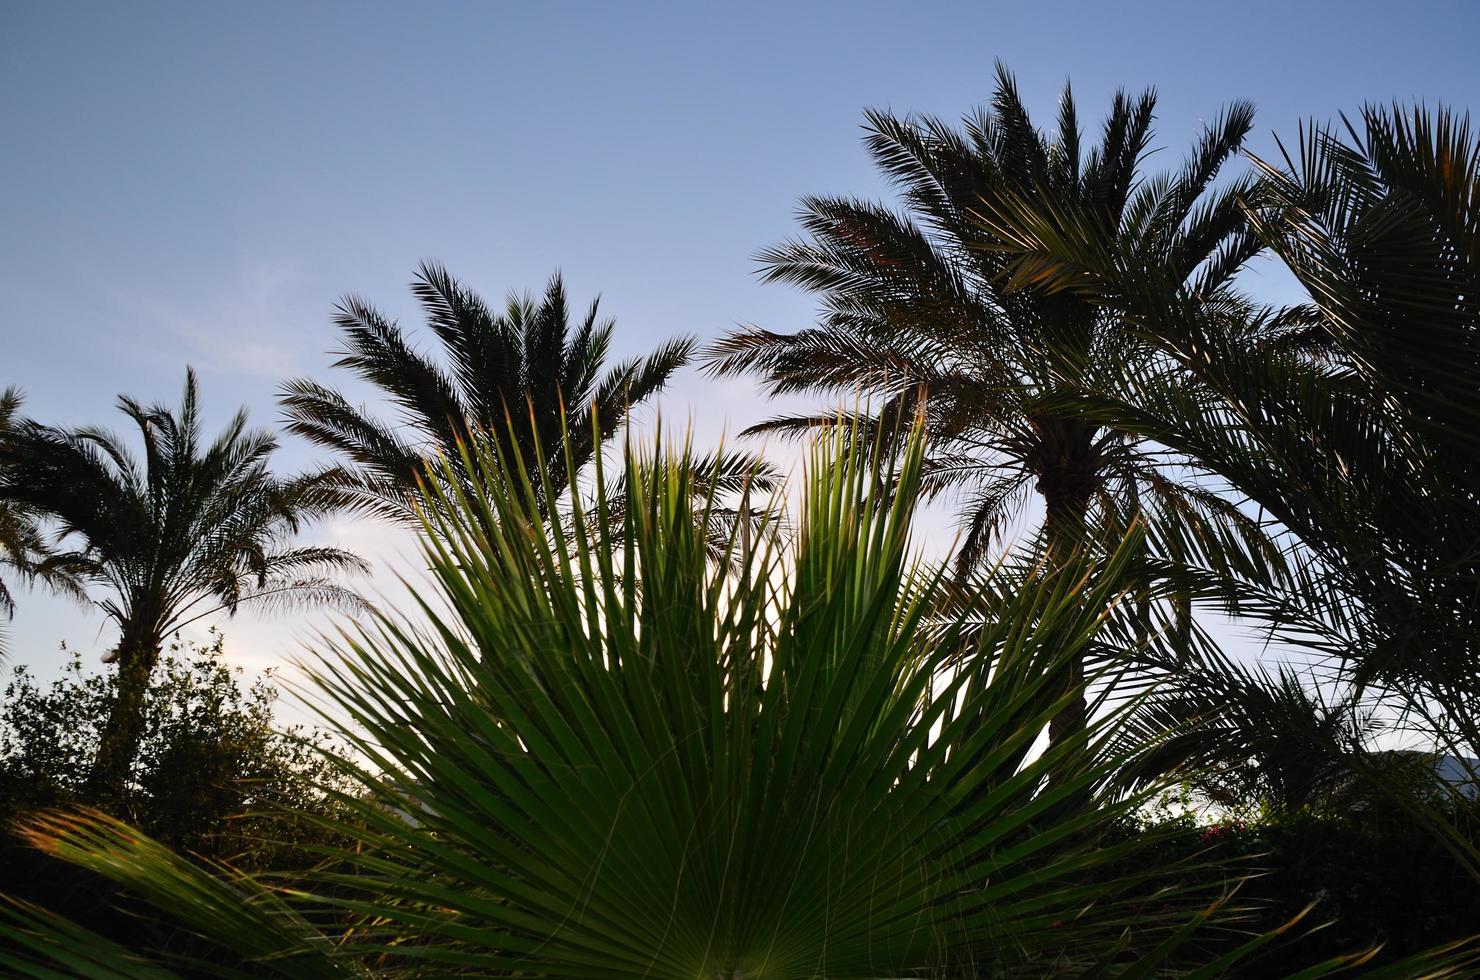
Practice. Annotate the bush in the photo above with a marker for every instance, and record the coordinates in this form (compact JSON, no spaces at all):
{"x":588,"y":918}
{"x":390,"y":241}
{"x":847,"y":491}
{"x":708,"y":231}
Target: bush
{"x":213,"y":777}
{"x":1369,"y":875}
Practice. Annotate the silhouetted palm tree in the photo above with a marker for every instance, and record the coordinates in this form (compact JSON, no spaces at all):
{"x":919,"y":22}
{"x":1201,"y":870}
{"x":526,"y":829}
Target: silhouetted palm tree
{"x":925,"y":307}
{"x":19,"y":536}
{"x":190,"y":530}
{"x":1381,"y":225}
{"x":524,"y":375}
{"x":23,"y":546}
{"x":1355,"y":426}
{"x":1351,"y":421}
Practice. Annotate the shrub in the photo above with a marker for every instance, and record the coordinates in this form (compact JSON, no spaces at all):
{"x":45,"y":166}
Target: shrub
{"x":1371,"y":875}
{"x":213,"y":778}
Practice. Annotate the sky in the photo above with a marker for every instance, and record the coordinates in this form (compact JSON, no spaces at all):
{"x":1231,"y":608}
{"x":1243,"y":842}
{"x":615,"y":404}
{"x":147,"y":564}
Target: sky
{"x":197,"y":184}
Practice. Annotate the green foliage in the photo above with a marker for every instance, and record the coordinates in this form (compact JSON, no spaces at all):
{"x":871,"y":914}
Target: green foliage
{"x":25,"y":553}
{"x":636,"y":732}
{"x":516,"y":373}
{"x":921,"y":312}
{"x":1351,"y":422}
{"x":214,"y":778}
{"x":192,"y":522}
{"x":211,"y":762}
{"x":1383,"y":229}
{"x":1368,"y":875}
{"x":611,"y":756}
{"x":194,"y":528}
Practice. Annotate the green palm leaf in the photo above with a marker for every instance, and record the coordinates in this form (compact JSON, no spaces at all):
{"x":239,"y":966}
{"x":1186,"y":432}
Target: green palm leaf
{"x":597,"y":752}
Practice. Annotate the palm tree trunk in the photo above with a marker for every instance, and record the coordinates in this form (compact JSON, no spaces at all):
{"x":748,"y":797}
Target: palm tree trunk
{"x":118,"y":743}
{"x":1067,"y":502}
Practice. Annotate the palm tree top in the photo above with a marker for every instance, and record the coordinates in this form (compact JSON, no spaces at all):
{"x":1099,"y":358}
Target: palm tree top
{"x":514,"y":373}
{"x":24,"y":548}
{"x":929,"y":302}
{"x":185,"y":527}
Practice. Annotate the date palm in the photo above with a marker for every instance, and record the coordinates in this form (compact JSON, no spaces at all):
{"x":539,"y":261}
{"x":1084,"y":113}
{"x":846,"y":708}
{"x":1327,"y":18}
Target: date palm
{"x":1381,"y":225}
{"x":19,"y":537}
{"x":1353,"y":424}
{"x":923,"y":305}
{"x":522,"y":374}
{"x":24,"y":550}
{"x":1356,"y":431}
{"x":189,"y":529}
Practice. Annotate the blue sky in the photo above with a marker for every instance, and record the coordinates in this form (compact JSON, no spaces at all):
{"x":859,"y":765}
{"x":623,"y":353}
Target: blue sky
{"x":197,"y":183}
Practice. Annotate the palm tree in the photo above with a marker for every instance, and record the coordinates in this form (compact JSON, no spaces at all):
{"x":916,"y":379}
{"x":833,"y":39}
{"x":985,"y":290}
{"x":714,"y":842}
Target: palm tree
{"x":1352,"y":421}
{"x":19,"y":537}
{"x":191,"y":530}
{"x":515,"y":374}
{"x":766,"y":771}
{"x":1248,"y":737}
{"x":1381,"y":225}
{"x":925,"y":306}
{"x":23,"y":546}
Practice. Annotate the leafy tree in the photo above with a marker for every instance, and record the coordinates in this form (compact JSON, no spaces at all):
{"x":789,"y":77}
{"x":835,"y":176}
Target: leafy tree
{"x":193,"y":529}
{"x":213,"y":777}
{"x":924,"y":307}
{"x":1365,"y":876}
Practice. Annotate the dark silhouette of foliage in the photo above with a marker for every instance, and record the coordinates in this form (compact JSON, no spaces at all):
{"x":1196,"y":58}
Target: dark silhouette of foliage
{"x":924,"y":307}
{"x":190,"y":529}
{"x":1351,"y":421}
{"x":527,"y":373}
{"x":214,"y":777}
{"x":24,"y":549}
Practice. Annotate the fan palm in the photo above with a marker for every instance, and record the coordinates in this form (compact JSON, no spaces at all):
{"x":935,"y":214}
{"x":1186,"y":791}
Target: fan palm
{"x":765,"y":770}
{"x":193,"y":529}
{"x":527,"y":374}
{"x":923,"y":306}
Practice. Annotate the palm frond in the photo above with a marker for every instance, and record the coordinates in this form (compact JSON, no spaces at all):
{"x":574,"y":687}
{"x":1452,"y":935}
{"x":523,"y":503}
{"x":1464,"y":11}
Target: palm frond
{"x":609,"y":755}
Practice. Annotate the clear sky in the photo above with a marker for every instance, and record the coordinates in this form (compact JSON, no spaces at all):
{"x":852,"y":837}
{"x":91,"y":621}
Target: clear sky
{"x":196,"y":183}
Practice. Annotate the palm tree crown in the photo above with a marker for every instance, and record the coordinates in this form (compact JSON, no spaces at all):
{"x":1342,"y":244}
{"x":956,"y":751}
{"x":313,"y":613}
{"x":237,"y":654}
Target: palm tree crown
{"x":513,"y":374}
{"x":23,"y":547}
{"x":927,"y":303}
{"x":1354,"y":426}
{"x":929,"y":310}
{"x":19,"y":536}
